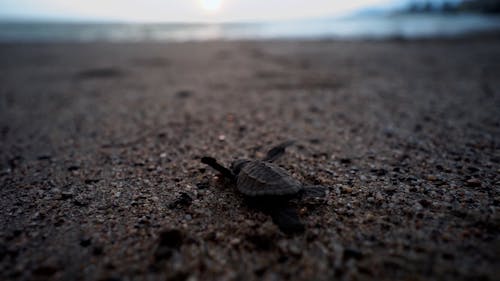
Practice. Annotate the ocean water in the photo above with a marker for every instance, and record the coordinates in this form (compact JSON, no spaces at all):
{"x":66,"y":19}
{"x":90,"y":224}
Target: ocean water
{"x":368,"y":27}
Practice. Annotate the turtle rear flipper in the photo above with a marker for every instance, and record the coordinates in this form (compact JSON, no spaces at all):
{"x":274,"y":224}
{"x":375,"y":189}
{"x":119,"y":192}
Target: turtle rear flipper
{"x":312,"y":195}
{"x":313,"y":191}
{"x":277,"y":151}
{"x":287,"y":219}
{"x":284,"y":215}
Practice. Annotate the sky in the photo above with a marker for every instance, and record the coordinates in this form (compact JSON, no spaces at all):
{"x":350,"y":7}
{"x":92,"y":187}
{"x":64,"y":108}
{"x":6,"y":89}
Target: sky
{"x":180,"y":10}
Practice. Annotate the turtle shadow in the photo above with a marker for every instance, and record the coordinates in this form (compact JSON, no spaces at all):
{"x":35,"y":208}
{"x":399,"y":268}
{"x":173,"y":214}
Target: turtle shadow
{"x":283,"y":213}
{"x":281,"y":208}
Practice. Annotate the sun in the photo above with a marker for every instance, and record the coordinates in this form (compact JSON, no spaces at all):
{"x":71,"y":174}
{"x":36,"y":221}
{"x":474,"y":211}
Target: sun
{"x":211,"y":5}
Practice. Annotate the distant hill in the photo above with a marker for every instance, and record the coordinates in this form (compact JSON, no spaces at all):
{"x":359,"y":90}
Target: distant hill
{"x":470,"y":6}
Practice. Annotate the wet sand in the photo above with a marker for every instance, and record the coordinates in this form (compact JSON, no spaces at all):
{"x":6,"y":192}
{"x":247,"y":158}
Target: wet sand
{"x":101,"y":143}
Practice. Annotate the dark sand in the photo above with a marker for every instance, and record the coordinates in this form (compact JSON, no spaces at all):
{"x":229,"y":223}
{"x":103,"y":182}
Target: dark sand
{"x":101,"y":179}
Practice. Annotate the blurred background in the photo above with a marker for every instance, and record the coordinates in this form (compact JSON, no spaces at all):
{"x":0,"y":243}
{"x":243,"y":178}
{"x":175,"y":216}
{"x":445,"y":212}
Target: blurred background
{"x":171,"y":20}
{"x":100,"y":143}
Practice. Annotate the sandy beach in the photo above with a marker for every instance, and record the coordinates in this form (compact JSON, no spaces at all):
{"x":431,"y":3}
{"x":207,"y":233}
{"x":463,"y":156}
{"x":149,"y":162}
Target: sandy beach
{"x":100,"y":148}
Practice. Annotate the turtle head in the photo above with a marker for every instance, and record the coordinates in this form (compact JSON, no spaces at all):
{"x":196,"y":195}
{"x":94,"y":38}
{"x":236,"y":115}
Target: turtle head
{"x":238,"y":164}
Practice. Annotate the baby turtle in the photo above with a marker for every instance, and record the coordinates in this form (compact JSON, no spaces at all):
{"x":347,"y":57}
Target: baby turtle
{"x":268,"y":187}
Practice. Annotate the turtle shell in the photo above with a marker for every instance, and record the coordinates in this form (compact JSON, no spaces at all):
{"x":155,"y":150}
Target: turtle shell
{"x":258,"y":178}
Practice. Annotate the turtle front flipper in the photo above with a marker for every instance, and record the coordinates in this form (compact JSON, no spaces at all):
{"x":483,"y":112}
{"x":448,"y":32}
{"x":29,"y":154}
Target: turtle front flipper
{"x":210,"y":161}
{"x":277,"y":151}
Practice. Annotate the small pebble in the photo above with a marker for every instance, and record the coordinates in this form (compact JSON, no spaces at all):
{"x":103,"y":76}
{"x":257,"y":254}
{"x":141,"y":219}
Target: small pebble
{"x":346,"y":189}
{"x":182,"y":201}
{"x":235,"y":241}
{"x":350,"y":253}
{"x":432,"y":178}
{"x":73,"y":168}
{"x":473,"y":182}
{"x":66,"y":194}
{"x":85,"y":242}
